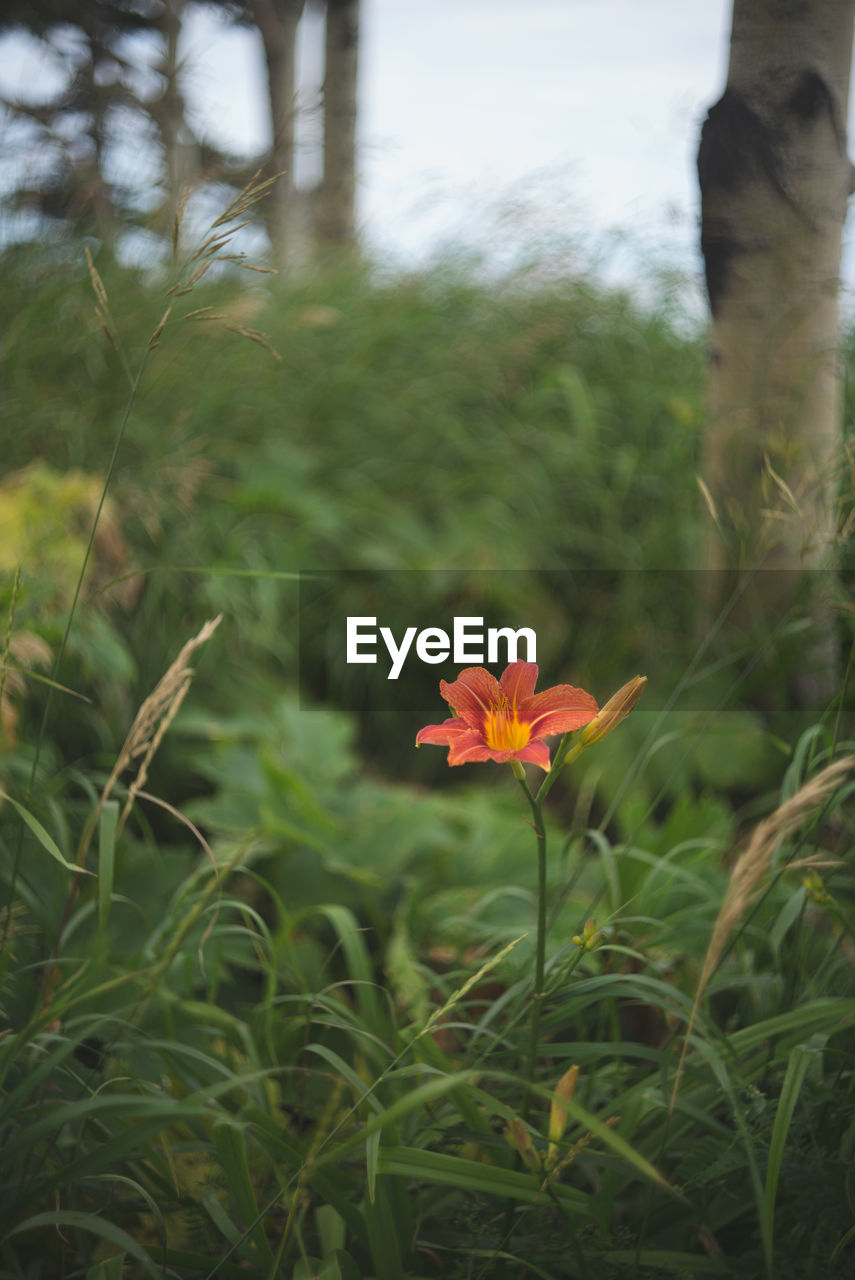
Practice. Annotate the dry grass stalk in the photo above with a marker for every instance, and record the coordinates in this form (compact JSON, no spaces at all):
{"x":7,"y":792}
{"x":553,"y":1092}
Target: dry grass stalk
{"x":156,"y":715}
{"x":782,"y":486}
{"x":150,"y":724}
{"x":240,"y":260}
{"x":205,"y":313}
{"x":246,"y":198}
{"x":102,"y":309}
{"x":191,"y":826}
{"x":213,"y":249}
{"x":153,"y":340}
{"x":708,"y":499}
{"x":749,"y":870}
{"x":255,"y":335}
{"x":97,"y":283}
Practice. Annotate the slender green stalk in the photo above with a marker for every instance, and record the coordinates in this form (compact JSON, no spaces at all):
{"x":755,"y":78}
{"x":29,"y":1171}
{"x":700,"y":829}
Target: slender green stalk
{"x":540,"y":953}
{"x":535,"y":803}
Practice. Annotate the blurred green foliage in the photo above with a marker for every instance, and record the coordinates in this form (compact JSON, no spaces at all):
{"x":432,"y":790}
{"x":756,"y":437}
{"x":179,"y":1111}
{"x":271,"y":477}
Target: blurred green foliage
{"x":234,"y":1036}
{"x":433,"y":422}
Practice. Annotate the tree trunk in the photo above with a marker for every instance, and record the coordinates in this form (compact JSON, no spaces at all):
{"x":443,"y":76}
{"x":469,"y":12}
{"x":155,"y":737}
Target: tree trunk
{"x":775,"y":178}
{"x":337,"y":218}
{"x":94,"y":192}
{"x":277,"y":22}
{"x":181,"y":151}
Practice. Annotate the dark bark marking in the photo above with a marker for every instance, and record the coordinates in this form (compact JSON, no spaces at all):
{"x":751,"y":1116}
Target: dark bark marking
{"x":736,"y":147}
{"x":810,"y":98}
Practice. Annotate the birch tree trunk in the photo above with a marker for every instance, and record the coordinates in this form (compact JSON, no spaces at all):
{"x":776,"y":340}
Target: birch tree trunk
{"x":337,"y":218}
{"x":775,"y":178}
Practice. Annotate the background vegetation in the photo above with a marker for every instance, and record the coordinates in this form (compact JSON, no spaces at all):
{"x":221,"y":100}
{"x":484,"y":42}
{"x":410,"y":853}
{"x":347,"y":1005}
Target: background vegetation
{"x":279,"y":1030}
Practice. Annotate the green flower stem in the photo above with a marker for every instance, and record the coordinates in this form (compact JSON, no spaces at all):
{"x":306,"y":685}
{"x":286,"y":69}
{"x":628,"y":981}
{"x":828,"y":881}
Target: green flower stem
{"x":540,"y":955}
{"x":535,"y":803}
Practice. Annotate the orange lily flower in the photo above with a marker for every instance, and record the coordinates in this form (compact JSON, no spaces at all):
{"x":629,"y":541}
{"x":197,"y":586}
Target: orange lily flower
{"x":505,"y":719}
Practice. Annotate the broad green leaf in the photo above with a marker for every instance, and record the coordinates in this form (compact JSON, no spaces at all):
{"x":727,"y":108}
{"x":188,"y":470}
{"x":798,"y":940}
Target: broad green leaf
{"x":331,"y":1229}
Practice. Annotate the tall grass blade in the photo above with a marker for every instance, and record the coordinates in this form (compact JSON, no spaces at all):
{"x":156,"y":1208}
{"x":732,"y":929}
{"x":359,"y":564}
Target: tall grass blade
{"x":95,"y":1224}
{"x":107,"y":826}
{"x":45,"y":840}
{"x":350,"y":936}
{"x":231,"y":1148}
{"x":800,"y":1059}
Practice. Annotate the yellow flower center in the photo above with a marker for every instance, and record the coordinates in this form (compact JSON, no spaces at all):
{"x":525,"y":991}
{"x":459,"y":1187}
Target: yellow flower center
{"x":503,"y":731}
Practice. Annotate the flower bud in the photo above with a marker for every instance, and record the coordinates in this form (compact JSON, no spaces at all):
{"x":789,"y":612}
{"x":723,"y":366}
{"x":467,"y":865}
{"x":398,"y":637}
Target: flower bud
{"x":565,"y":1089}
{"x":591,"y":936}
{"x":816,"y":891}
{"x":616,"y":709}
{"x":519,"y":1138}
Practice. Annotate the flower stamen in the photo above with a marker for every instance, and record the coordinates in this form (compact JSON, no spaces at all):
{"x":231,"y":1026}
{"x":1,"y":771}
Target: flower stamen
{"x":502,"y":728}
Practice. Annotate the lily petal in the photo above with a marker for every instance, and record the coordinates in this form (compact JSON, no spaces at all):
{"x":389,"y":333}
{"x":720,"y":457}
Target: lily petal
{"x":471,"y":695}
{"x":441,"y":735}
{"x":558,"y":710}
{"x":518,"y":681}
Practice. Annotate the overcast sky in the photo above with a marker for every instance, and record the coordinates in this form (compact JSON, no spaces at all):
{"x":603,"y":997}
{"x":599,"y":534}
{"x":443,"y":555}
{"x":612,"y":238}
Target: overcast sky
{"x":494,"y":119}
{"x":573,"y":115}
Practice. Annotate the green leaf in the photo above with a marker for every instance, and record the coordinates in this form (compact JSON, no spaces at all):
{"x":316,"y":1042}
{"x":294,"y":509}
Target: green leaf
{"x":313,"y":1269}
{"x":331,"y":1229}
{"x":372,"y":1154}
{"x":350,"y":935}
{"x":361,"y":1090}
{"x":383,"y":1229}
{"x":473,"y":1175}
{"x":98,"y":1226}
{"x":107,"y":825}
{"x":806,"y":1018}
{"x":221,"y":1220}
{"x":618,"y":1144}
{"x":109,"y":1269}
{"x":799,"y":1061}
{"x":683,"y":1264}
{"x":412,"y":1101}
{"x":787,"y":916}
{"x":231,"y":1148}
{"x":46,"y":841}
